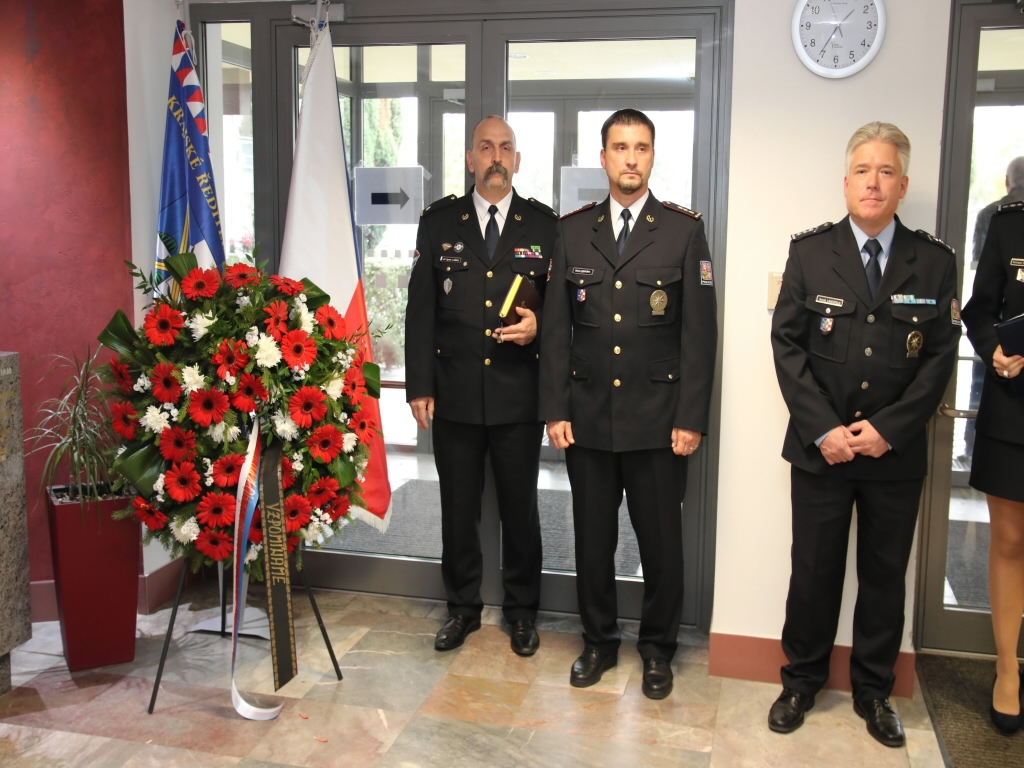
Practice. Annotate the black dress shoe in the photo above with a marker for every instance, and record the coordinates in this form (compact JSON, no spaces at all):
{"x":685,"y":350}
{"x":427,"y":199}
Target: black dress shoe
{"x":883,"y":723}
{"x":1007,"y":725}
{"x":589,"y":667}
{"x":453,"y":633}
{"x":787,"y":713}
{"x":657,"y":678}
{"x":525,"y":640}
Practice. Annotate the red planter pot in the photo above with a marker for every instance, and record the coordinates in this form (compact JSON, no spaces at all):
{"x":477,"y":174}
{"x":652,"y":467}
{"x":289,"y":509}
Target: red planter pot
{"x":96,"y":574}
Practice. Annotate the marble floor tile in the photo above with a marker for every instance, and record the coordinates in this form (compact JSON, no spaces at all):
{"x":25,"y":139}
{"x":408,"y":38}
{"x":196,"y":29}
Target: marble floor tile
{"x":477,"y":700}
{"x":29,"y":747}
{"x":488,"y":655}
{"x":392,"y":605}
{"x":913,"y":713}
{"x":691,"y":683}
{"x":557,"y":661}
{"x":923,"y":749}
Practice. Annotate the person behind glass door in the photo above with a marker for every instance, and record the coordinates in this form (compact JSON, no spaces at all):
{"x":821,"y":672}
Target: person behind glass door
{"x":627,"y":364}
{"x":481,"y":393}
{"x":865,"y":337}
{"x":999,"y":448}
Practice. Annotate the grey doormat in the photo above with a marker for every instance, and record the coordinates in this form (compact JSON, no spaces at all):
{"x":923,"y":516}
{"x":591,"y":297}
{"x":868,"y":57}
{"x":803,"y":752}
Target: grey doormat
{"x":415,"y":529}
{"x":958,"y":692}
{"x":967,"y":562}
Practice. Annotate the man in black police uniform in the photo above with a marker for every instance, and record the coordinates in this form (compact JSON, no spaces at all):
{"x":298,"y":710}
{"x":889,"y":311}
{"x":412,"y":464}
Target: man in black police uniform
{"x":627,"y":363}
{"x":865,"y":336}
{"x":478,"y":381}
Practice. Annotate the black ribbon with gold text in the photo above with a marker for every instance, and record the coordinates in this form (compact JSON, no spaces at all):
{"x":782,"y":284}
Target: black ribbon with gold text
{"x":275,"y":547}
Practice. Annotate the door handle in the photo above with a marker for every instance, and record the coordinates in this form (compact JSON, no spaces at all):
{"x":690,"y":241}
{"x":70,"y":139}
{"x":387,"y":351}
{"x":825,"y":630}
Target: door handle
{"x":955,"y":413}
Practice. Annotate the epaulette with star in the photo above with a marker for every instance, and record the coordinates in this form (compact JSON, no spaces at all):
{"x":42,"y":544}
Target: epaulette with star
{"x":582,"y":208}
{"x":437,"y":205}
{"x":813,"y":231}
{"x":680,"y":209}
{"x":933,"y":239}
{"x":1015,"y":206}
{"x":541,"y":207}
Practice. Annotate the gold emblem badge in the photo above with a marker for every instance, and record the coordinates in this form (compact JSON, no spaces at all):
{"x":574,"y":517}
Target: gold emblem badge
{"x":650,"y":218}
{"x":914,"y":343}
{"x":465,"y":216}
{"x":659,"y":300}
{"x":518,"y":217}
{"x":600,"y":218}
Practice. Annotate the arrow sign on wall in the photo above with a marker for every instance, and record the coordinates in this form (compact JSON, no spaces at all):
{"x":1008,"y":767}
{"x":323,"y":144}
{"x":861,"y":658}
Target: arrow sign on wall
{"x":398,"y":198}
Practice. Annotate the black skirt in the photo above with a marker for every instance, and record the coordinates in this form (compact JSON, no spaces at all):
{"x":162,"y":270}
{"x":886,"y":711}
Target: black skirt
{"x":997,"y":468}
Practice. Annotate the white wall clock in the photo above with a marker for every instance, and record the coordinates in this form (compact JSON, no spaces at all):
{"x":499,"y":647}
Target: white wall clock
{"x":838,"y":38}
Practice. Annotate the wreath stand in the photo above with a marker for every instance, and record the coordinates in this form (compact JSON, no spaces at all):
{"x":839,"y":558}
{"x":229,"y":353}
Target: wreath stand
{"x":223,"y":623}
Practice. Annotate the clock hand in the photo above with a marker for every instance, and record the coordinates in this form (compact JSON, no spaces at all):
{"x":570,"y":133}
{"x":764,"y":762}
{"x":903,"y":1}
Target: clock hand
{"x":825,"y":46}
{"x":835,"y":17}
{"x":839,"y":24}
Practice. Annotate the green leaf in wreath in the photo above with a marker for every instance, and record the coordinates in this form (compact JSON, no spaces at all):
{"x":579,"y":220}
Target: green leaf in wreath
{"x":119,"y":335}
{"x":181,"y":264}
{"x":315,"y":297}
{"x":371,"y":373}
{"x":141,"y":467}
{"x":343,"y":471}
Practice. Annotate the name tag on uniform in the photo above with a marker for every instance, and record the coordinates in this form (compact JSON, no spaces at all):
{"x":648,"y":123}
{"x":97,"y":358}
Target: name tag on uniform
{"x":830,"y":301}
{"x":533,"y":252}
{"x":909,"y":298}
{"x":450,"y":259}
{"x":581,"y":271}
{"x":1017,"y":262}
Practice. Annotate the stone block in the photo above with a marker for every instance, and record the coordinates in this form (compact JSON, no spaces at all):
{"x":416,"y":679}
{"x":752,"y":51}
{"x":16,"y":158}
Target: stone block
{"x":15,"y":613}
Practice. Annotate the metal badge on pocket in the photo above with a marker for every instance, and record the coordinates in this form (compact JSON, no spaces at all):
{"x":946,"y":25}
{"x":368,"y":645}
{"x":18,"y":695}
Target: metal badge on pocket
{"x":914,"y":343}
{"x":659,"y":300}
{"x":447,"y":285}
{"x":826,"y":325}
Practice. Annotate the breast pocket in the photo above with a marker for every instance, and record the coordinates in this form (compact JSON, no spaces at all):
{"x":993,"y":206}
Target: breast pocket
{"x":830,"y":329}
{"x":531,"y":268}
{"x":585,"y":286}
{"x":452,"y":274}
{"x":659,"y":291}
{"x":912,"y":324}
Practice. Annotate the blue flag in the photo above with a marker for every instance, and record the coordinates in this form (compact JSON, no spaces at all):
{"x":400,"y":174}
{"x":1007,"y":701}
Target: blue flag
{"x":189,"y":217}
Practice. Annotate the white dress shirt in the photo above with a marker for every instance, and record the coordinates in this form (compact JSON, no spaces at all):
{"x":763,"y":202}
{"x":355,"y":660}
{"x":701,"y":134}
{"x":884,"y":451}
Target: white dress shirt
{"x":484,"y":216}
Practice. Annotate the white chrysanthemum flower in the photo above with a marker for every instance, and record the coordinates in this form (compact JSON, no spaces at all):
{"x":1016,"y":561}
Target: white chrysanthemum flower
{"x":304,"y":316}
{"x":185,"y":531}
{"x":174,"y":413}
{"x":121,"y":449}
{"x":243,"y":301}
{"x":334,"y":388}
{"x":158,"y":486}
{"x":199,"y":324}
{"x":230,"y":380}
{"x":252,"y":336}
{"x":191,"y":379}
{"x":231,"y":433}
{"x":297,"y":465}
{"x":284,"y":426}
{"x":216,"y":432}
{"x":301,"y":297}
{"x":313,"y":532}
{"x":348,"y":442}
{"x":155,"y":420}
{"x":143,"y":384}
{"x":253,"y":553}
{"x":361,"y":467}
{"x":268,"y":354}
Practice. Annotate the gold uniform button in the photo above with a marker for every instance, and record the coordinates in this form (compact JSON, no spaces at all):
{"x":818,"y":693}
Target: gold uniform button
{"x":670,"y":377}
{"x":828,"y":310}
{"x":581,"y":282}
{"x":538,"y":355}
{"x":618,"y":317}
{"x":490,"y":274}
{"x":618,"y":283}
{"x":531,"y":272}
{"x":488,"y":303}
{"x":871,"y":318}
{"x":914,"y":319}
{"x":447,"y":269}
{"x":617,"y":350}
{"x":864,"y":385}
{"x":487,"y":361}
{"x":857,"y":415}
{"x":617,"y":383}
{"x":465,"y":263}
{"x":659,"y":282}
{"x":439,"y":351}
{"x":487,"y":332}
{"x":867,"y":352}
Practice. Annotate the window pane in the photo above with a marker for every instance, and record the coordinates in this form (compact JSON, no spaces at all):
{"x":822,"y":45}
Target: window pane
{"x":389,"y":64}
{"x":454,"y":129}
{"x":603,"y":60}
{"x":448,"y":63}
{"x":535,"y":130}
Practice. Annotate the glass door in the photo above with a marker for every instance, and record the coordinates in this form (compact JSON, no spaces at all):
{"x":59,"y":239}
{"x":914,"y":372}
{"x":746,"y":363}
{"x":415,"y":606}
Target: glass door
{"x":987,"y":114}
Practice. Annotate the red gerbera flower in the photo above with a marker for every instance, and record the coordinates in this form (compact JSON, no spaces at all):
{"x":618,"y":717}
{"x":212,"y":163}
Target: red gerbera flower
{"x":277,"y":323}
{"x":177,"y":444}
{"x":293,"y":542}
{"x":215,"y":544}
{"x":238,"y":275}
{"x":231,"y":358}
{"x":148,"y":514}
{"x":286,"y":285}
{"x":298,"y":349}
{"x":296,"y":512}
{"x":227,"y":470}
{"x":125,"y":419}
{"x":307,"y":405}
{"x":121,"y":375}
{"x":250,"y":387}
{"x":256,"y":531}
{"x":325,"y":443}
{"x":162,"y":325}
{"x":331,"y":322}
{"x":166,"y":388}
{"x":287,"y":474}
{"x":200,"y":284}
{"x":355,"y":384}
{"x":181,"y":481}
{"x":322,"y":491}
{"x":207,"y":406}
{"x":363,"y":426}
{"x":216,"y":510}
{"x":338,"y":508}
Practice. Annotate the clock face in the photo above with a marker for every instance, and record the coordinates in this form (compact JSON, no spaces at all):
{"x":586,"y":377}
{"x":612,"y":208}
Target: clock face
{"x":837,"y":38}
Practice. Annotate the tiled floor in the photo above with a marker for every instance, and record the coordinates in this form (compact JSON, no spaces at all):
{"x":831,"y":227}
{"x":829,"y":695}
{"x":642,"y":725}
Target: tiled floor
{"x":404,"y":705}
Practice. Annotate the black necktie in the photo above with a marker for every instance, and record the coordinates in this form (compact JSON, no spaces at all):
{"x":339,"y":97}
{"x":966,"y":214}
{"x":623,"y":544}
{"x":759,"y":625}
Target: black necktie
{"x":491,"y":234}
{"x":873,"y":268}
{"x":620,"y":241}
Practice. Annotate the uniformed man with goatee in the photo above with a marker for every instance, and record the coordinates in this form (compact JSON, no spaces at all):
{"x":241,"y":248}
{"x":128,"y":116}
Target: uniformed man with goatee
{"x":477,"y":380}
{"x":627,"y":363}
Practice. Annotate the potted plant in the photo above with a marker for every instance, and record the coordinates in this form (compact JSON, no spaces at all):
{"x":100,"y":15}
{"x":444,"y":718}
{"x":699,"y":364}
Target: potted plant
{"x":95,"y":556}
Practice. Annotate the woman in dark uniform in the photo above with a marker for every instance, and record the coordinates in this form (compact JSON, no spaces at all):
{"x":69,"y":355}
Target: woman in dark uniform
{"x":998,"y":465}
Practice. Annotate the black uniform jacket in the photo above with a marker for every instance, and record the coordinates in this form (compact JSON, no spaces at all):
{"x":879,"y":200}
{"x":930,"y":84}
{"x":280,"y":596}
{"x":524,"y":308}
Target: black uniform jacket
{"x":620,"y":364}
{"x":842,"y":356}
{"x":455,"y":294}
{"x":998,"y":295}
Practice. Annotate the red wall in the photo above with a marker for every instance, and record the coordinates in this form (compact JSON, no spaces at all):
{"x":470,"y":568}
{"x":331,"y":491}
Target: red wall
{"x":64,"y":215}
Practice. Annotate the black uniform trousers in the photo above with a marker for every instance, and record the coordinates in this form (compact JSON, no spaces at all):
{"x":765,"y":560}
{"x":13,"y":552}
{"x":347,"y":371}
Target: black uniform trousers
{"x":654,"y":482}
{"x":459,"y":451}
{"x":886,"y":520}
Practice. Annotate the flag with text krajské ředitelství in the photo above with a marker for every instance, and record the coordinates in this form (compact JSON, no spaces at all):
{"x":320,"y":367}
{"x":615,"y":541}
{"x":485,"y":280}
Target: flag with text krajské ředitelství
{"x":189,"y":215}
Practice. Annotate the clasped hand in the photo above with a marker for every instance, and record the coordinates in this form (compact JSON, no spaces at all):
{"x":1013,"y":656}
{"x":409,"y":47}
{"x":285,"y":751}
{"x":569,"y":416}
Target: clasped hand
{"x":843,"y":443}
{"x":523,"y":332}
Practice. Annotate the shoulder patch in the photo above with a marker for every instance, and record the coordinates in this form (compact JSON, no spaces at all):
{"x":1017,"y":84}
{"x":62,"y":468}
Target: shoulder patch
{"x":437,"y":205}
{"x":1007,"y":207}
{"x":541,"y":207}
{"x":582,"y":208}
{"x":813,"y":231}
{"x":680,"y":209}
{"x":933,"y":239}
